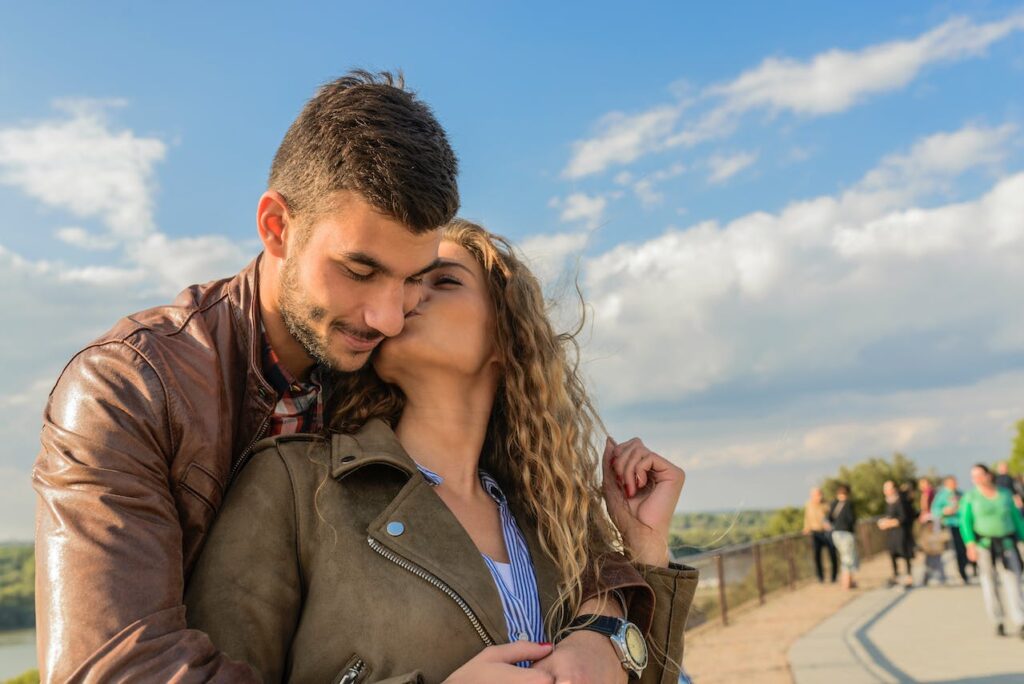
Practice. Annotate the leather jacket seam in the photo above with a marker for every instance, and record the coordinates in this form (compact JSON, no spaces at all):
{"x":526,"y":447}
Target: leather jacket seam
{"x":196,"y":494}
{"x":163,"y":388}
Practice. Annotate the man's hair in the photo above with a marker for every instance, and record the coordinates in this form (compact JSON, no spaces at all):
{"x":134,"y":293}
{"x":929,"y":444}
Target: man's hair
{"x":366,"y":133}
{"x":843,"y":489}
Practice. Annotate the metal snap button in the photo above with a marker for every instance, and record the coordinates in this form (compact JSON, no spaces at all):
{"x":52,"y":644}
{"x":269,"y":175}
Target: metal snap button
{"x":395,"y":528}
{"x":522,"y":636}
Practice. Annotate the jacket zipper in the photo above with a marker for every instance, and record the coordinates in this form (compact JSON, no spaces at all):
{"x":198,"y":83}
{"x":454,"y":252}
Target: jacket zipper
{"x":352,"y":673}
{"x":248,"y":450}
{"x":437,"y":583}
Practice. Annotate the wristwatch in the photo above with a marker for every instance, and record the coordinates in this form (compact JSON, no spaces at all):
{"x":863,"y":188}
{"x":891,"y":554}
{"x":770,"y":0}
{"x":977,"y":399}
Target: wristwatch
{"x":627,"y":640}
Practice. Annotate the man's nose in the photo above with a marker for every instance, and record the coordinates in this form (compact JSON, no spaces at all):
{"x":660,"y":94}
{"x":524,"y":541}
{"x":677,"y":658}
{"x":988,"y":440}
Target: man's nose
{"x":386,"y":313}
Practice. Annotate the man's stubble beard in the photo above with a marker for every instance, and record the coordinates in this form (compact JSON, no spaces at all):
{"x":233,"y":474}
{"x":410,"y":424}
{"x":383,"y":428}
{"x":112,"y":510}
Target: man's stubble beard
{"x":298,"y":315}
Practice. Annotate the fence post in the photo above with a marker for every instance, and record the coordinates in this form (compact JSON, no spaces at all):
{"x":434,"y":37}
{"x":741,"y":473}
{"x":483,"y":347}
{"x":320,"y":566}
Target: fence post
{"x":759,"y":573}
{"x":792,"y":563}
{"x":720,"y":565}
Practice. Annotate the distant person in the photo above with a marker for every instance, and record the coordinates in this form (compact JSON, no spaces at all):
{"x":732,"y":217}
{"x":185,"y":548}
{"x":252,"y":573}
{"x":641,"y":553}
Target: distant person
{"x":817,"y":525}
{"x":897,"y":522}
{"x":991,"y":526}
{"x":1004,"y":479}
{"x":844,"y":520}
{"x":946,"y":511}
{"x":926,"y":496}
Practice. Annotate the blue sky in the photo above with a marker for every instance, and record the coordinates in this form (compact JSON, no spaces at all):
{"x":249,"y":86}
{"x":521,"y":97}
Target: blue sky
{"x":796,"y":223}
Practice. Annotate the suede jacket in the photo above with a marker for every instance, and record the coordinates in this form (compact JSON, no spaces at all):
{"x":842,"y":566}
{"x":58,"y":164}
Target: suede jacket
{"x":334,"y":560}
{"x":142,"y":436}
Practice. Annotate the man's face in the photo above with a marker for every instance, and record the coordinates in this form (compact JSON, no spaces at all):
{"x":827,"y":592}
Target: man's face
{"x":352,"y":281}
{"x":951,"y":483}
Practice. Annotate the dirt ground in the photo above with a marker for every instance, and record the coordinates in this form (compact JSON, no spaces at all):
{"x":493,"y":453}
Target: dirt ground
{"x":753,"y":646}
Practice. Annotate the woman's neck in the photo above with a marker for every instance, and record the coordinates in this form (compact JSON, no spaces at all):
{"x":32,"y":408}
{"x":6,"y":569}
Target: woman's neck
{"x":443,"y":427}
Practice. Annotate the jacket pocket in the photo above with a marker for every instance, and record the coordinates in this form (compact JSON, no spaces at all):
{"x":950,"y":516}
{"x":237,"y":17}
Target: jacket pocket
{"x":355,"y":671}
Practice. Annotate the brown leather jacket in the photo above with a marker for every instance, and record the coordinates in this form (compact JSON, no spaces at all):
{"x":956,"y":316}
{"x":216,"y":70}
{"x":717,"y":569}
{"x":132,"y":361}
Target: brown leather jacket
{"x":142,"y":434}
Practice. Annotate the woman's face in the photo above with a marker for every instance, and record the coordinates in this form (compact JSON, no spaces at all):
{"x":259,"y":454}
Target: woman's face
{"x":451,"y":329}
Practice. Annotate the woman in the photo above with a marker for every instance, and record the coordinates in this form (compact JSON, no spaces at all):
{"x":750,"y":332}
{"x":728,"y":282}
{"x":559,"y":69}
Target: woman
{"x":455,"y":505}
{"x":844,"y":522}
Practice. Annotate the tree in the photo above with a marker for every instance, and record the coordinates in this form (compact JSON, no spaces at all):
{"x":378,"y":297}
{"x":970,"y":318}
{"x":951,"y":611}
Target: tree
{"x":784,"y":521}
{"x":866,"y":478}
{"x":1017,"y":453}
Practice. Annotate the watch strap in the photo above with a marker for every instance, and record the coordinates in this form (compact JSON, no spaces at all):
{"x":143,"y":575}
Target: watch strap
{"x":602,"y":624}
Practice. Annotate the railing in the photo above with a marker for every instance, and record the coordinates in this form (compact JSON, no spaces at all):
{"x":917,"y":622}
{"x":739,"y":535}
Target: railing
{"x":733,"y":576}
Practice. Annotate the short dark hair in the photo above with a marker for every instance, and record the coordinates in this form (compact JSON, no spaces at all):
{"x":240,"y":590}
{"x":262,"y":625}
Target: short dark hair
{"x":842,"y":488}
{"x":366,"y":133}
{"x":983,"y":467}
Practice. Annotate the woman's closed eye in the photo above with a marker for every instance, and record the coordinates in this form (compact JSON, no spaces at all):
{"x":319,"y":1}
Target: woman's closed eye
{"x":446,"y":280}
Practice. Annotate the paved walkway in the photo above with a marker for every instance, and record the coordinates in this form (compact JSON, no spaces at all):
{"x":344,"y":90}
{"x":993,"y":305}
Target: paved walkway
{"x":753,"y":647}
{"x":926,"y":634}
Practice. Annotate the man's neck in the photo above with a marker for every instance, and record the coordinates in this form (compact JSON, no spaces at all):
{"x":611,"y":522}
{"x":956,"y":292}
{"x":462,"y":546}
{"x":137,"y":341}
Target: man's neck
{"x":443,"y":427}
{"x":289,"y":352}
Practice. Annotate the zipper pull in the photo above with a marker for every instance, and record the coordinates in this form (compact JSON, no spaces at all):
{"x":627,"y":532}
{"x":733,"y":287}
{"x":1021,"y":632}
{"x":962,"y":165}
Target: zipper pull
{"x":352,"y":673}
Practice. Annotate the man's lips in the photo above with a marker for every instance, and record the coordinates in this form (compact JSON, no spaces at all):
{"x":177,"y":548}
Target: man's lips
{"x":359,"y":343}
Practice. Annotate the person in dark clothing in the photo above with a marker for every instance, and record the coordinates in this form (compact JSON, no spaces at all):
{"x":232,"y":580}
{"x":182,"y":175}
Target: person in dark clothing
{"x":898,"y":523}
{"x":844,"y":520}
{"x":816,"y":525}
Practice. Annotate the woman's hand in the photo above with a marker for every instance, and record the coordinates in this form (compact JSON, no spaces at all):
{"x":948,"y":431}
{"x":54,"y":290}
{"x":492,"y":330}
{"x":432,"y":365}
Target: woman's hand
{"x":641,"y":489}
{"x":498,"y":664}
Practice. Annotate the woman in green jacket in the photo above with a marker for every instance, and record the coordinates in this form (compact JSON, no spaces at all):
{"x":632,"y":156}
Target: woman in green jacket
{"x":445,"y":528}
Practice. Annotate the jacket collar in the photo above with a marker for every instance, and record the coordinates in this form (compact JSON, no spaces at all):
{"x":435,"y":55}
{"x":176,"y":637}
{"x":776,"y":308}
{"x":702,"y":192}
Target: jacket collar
{"x":432,"y":537}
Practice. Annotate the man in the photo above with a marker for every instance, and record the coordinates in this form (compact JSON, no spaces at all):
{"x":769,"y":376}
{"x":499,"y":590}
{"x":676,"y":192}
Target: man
{"x":991,"y":526}
{"x":148,"y":425}
{"x":817,"y":525}
{"x":946,"y":509}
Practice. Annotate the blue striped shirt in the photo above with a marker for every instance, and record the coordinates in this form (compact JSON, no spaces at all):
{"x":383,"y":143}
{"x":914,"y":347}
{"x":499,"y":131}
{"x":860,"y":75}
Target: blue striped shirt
{"x":520,"y":601}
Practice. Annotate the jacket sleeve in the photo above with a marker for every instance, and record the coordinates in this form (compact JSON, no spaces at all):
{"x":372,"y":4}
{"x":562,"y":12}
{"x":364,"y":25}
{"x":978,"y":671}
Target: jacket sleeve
{"x":618,"y":574}
{"x":108,"y":541}
{"x":246,"y":588}
{"x":967,"y":520}
{"x":673,"y":588}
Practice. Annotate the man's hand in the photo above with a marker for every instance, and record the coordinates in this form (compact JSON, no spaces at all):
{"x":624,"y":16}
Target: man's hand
{"x":583,"y":657}
{"x":972,"y":552}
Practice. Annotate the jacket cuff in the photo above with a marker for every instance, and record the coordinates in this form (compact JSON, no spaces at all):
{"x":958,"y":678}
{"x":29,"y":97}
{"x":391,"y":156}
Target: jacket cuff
{"x":673,"y":588}
{"x":618,"y":574}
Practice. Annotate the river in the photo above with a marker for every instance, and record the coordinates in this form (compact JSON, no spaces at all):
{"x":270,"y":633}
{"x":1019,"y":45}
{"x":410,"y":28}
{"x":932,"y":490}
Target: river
{"x":17,"y":652}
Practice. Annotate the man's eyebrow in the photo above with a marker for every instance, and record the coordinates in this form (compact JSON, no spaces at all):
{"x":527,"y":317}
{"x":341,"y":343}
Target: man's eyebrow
{"x":366,"y":260}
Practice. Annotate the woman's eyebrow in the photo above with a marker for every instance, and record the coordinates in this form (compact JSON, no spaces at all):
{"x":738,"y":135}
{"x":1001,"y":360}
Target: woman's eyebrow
{"x":442,"y":263}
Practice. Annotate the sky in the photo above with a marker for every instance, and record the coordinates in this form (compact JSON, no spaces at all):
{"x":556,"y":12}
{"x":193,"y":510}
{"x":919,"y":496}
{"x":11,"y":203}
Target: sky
{"x":799,"y":227}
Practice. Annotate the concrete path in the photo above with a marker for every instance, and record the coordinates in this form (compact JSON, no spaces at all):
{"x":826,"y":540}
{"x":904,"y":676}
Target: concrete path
{"x":925,"y":634}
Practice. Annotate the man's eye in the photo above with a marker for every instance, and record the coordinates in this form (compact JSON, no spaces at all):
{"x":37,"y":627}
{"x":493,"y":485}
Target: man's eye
{"x":356,"y":275}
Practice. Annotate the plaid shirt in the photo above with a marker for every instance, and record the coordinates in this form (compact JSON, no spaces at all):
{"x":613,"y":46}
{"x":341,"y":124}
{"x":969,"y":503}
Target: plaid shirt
{"x":300,"y":406}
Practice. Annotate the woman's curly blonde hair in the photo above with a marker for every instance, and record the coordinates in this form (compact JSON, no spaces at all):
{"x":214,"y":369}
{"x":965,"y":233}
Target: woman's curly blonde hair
{"x":540,"y":440}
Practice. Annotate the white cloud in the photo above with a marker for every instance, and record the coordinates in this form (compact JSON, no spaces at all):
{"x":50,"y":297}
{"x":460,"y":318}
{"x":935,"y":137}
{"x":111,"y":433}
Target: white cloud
{"x":80,"y":164}
{"x":813,"y":291}
{"x":827,"y":83}
{"x":621,"y":139}
{"x":582,"y":207}
{"x":725,"y":167}
{"x":548,"y":254}
{"x":644,"y":189}
{"x":77,"y":236}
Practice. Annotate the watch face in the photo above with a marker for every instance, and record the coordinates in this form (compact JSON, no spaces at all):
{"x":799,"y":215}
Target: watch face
{"x":636,"y":645}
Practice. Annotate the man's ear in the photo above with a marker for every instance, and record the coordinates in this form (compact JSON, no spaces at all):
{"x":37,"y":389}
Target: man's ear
{"x":272,"y":222}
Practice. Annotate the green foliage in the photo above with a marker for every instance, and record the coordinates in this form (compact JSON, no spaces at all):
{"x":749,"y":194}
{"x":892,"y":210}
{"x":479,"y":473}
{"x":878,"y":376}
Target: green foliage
{"x":1017,"y":453}
{"x":30,"y":677}
{"x":17,"y":587}
{"x":785,"y":521}
{"x":698,"y":532}
{"x":866,"y":478}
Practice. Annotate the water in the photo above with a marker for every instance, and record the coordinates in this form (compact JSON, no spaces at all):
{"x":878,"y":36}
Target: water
{"x":17,"y":652}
